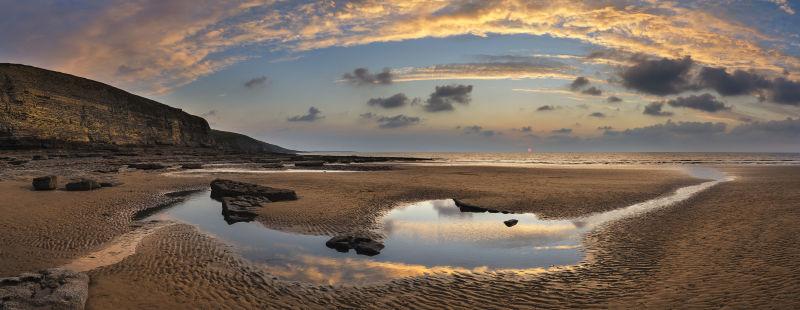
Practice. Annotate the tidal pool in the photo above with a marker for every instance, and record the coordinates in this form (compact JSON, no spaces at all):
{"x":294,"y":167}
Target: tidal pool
{"x":426,"y":237}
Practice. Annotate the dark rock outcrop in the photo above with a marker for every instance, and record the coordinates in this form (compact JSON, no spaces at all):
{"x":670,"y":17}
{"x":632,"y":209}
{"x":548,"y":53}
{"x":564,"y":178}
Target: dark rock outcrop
{"x":45,"y":183}
{"x":48,"y":289}
{"x":466,"y":207}
{"x":82,"y":185}
{"x":221,"y":188}
{"x":362,"y":245}
{"x":192,"y":166}
{"x":241,"y":201}
{"x":309,"y":163}
{"x":511,"y":222}
{"x":241,"y":143}
{"x":147,"y":166}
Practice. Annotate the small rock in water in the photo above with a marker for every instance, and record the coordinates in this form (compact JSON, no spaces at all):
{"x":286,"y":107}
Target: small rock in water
{"x":362,"y":245}
{"x":45,"y":183}
{"x":511,"y":222}
{"x":83,"y":185}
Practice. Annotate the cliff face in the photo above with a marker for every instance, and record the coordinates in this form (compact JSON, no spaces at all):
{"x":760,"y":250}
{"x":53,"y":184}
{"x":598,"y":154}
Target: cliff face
{"x":239,"y":142}
{"x":42,"y":108}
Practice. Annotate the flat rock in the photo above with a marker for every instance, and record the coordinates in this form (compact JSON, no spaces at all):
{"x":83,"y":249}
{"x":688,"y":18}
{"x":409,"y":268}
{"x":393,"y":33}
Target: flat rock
{"x":362,"y":245}
{"x":221,"y":188}
{"x":466,"y":207}
{"x":241,"y":208}
{"x":147,"y":166}
{"x":48,"y":289}
{"x":511,"y":222}
{"x":45,"y":183}
{"x":309,"y":163}
{"x":83,"y":185}
{"x":192,"y":166}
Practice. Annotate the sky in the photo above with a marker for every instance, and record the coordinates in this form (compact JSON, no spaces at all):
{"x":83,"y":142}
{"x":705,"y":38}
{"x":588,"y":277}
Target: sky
{"x":500,"y":76}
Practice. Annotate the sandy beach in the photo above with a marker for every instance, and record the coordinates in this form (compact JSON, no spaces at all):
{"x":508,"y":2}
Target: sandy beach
{"x":729,"y":245}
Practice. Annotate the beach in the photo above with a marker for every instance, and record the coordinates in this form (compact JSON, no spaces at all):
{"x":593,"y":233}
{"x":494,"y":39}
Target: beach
{"x":729,"y":245}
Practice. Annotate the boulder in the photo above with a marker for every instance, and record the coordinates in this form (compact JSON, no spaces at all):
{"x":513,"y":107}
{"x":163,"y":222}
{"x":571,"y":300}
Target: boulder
{"x":45,"y":183}
{"x":362,"y":245}
{"x":309,"y":163}
{"x":227,"y":188}
{"x":147,"y":166}
{"x":48,"y":289}
{"x":83,"y":185}
{"x":192,"y":166}
{"x":511,"y":222}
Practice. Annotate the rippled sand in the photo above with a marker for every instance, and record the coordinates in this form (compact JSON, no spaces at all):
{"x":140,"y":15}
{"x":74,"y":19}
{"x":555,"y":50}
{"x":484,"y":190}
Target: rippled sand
{"x":734,"y":244}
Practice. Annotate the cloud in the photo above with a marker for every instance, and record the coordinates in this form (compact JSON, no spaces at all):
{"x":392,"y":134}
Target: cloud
{"x":605,"y":128}
{"x":526,"y":129}
{"x":659,"y":77}
{"x":738,"y":83}
{"x":598,"y":115}
{"x":475,"y":129}
{"x":395,"y":101}
{"x":562,"y":131}
{"x":368,"y":115}
{"x":705,"y":102}
{"x":613,"y":99}
{"x":174,"y":48}
{"x":546,"y":108}
{"x":443,"y":97}
{"x":397,"y":121}
{"x":784,"y":5}
{"x":785,"y":91}
{"x":579,"y":83}
{"x":257,"y":82}
{"x":594,"y":91}
{"x":362,"y":76}
{"x":488,"y":67}
{"x":313,"y":115}
{"x":654,"y":109}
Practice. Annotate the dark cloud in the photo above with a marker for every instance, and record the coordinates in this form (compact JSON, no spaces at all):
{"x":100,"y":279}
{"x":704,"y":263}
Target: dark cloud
{"x":705,"y":102}
{"x":124,"y":70}
{"x":654,"y":109}
{"x":257,"y":82}
{"x":563,"y":131}
{"x":546,"y":108}
{"x":605,"y":128}
{"x":787,"y":129}
{"x":397,"y":121}
{"x":659,"y":77}
{"x":475,"y":129}
{"x":597,"y":114}
{"x":395,"y":101}
{"x":738,"y":83}
{"x":313,"y":114}
{"x":613,"y":99}
{"x":579,"y":83}
{"x":671,"y":129}
{"x":594,"y":91}
{"x":785,"y":91}
{"x":443,"y":97}
{"x":362,"y":76}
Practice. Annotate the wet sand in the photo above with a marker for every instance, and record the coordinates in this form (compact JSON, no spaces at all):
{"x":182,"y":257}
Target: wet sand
{"x":732,"y":245}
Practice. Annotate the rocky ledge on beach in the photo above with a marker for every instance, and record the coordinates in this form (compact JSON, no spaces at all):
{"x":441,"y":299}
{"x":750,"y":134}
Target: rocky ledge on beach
{"x":47,"y":289}
{"x":240,"y":200}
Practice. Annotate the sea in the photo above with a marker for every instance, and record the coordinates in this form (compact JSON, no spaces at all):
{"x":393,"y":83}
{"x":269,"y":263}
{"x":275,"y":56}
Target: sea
{"x":650,"y":158}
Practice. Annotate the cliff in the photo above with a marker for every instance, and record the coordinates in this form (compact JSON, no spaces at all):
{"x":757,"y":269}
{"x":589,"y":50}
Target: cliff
{"x":43,"y":108}
{"x":242,"y":143}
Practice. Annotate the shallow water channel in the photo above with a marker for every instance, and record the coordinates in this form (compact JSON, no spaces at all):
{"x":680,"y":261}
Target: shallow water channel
{"x":432,"y":236}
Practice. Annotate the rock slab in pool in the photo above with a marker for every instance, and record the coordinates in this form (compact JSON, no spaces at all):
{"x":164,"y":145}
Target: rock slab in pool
{"x":221,"y":188}
{"x":362,"y":245}
{"x":48,"y":289}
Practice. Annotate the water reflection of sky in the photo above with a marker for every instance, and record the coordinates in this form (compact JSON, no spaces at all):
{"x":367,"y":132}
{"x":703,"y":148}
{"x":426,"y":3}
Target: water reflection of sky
{"x":421,"y":238}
